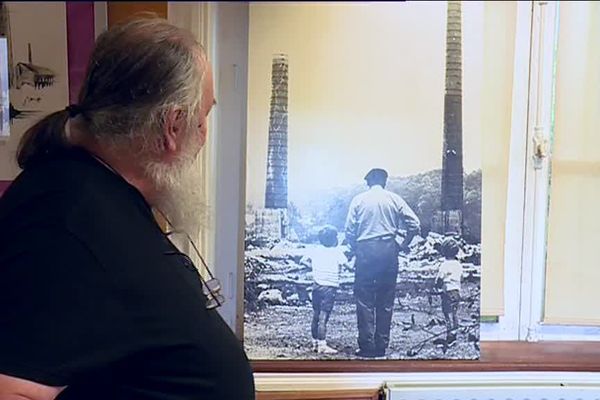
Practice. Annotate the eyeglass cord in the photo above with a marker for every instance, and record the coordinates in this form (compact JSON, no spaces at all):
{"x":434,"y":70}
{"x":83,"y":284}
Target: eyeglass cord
{"x":216,"y":299}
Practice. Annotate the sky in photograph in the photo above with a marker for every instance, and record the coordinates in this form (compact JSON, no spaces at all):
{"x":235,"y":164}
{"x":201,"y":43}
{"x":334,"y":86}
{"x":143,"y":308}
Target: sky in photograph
{"x":366,"y":89}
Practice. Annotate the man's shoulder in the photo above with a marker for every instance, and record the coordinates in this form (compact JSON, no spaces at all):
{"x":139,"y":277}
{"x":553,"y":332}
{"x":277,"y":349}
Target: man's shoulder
{"x":393,"y":195}
{"x":360,"y":195}
{"x":358,"y":198}
{"x":62,"y":193}
{"x":45,"y":194}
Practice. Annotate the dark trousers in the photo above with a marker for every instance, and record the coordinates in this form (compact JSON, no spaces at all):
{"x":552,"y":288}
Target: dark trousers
{"x":323,"y":298}
{"x":374,"y":289}
{"x":450,"y":302}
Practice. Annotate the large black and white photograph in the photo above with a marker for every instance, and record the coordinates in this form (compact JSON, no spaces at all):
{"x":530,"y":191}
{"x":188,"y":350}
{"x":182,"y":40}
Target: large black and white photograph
{"x":363,"y":184}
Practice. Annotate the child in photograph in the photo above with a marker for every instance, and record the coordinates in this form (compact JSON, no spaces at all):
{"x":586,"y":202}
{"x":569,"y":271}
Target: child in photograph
{"x":449,"y":279}
{"x":326,"y":261}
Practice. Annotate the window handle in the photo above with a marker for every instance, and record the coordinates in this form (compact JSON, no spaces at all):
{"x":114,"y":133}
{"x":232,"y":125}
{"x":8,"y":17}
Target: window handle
{"x":540,"y":147}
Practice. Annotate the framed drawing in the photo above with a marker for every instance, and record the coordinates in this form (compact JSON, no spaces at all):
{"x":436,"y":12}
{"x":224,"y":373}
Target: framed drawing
{"x":37,"y":59}
{"x":363,"y":217}
{"x":36,"y":63}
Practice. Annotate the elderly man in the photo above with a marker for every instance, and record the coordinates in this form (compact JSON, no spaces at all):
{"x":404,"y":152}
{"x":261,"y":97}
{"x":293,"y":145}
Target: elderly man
{"x":95,"y":301}
{"x":373,"y":222}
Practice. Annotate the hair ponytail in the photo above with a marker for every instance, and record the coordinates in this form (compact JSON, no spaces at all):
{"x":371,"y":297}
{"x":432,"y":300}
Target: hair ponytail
{"x":46,"y":136}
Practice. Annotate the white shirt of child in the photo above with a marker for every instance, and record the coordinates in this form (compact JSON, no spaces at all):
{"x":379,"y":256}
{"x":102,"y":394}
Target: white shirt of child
{"x":450,"y":272}
{"x":326,"y":263}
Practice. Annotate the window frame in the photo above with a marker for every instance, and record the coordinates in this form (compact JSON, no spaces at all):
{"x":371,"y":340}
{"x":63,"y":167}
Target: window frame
{"x":545,"y":37}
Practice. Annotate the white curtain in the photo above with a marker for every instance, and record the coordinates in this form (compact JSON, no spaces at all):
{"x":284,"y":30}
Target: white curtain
{"x":573,"y":262}
{"x":496,"y":97}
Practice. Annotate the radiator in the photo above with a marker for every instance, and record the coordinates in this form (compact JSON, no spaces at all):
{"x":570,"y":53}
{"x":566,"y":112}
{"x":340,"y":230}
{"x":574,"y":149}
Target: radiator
{"x":446,"y":385}
{"x":505,"y":391}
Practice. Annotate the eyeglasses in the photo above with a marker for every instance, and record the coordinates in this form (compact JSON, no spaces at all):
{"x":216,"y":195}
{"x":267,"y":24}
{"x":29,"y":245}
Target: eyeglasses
{"x":211,"y":287}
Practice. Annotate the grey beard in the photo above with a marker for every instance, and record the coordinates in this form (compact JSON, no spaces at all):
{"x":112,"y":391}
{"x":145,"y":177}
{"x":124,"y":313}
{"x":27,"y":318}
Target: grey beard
{"x":180,"y":195}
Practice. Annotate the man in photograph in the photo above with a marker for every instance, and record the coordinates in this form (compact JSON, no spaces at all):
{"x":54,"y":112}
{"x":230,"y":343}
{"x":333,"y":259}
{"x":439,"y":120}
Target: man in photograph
{"x":372,"y":225}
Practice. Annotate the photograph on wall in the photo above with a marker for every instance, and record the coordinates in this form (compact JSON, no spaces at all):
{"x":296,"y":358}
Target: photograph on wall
{"x":363,"y":184}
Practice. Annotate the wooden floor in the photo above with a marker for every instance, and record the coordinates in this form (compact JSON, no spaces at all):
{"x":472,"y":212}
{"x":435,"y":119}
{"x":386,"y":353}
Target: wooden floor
{"x":495,"y":356}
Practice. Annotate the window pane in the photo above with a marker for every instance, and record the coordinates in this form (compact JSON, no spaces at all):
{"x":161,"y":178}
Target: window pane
{"x":496,"y":104}
{"x":572,"y":273}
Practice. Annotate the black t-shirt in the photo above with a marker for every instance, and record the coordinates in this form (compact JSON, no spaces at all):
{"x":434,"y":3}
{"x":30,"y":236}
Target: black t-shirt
{"x":94,"y":296}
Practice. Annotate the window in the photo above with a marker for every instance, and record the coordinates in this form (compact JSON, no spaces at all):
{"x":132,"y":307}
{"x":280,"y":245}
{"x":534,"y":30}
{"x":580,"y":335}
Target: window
{"x":549,"y":264}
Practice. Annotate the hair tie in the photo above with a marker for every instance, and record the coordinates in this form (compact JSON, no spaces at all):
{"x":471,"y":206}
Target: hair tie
{"x":74,"y":110}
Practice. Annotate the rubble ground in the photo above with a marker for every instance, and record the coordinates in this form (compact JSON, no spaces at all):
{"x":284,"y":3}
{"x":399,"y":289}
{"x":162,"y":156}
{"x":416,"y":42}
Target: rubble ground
{"x":278,"y":309}
{"x":283,"y":332}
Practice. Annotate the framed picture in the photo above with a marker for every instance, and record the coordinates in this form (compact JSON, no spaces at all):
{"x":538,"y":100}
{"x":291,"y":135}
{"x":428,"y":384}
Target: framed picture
{"x":37,"y":59}
{"x":363,"y":218}
{"x":36,"y":67}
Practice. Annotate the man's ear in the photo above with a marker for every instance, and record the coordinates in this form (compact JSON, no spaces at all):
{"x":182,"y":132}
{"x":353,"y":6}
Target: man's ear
{"x":173,"y":130}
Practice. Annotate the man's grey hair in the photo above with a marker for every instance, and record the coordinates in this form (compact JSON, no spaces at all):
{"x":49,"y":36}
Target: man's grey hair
{"x":139,"y":71}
